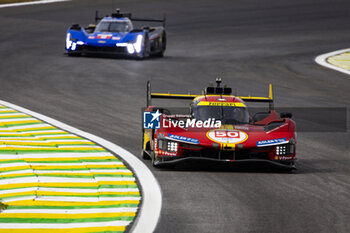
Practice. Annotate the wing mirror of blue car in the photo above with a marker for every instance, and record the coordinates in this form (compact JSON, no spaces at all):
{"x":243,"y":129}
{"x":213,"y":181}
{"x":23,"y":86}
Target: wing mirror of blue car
{"x":75,"y":27}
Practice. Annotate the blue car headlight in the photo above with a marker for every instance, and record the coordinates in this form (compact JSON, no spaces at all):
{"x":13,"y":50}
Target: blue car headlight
{"x":68,"y":41}
{"x":71,"y":43}
{"x":138,"y":44}
{"x":132,"y":46}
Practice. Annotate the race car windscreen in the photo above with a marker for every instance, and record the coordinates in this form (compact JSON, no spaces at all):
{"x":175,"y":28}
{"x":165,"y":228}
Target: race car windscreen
{"x":114,"y":26}
{"x":227,"y":114}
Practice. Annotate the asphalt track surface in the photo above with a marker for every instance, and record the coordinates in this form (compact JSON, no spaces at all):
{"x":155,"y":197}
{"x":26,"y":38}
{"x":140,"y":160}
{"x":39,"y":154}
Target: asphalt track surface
{"x":248,"y":44}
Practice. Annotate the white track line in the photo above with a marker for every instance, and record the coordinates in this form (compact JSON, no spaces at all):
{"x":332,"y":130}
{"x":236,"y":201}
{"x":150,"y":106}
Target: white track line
{"x":322,"y":60}
{"x":62,"y":225}
{"x":22,"y":127}
{"x":12,"y":120}
{"x":77,"y":190}
{"x":148,"y":216}
{"x":57,"y":155}
{"x":71,"y":211}
{"x":84,"y":199}
{"x":66,"y":164}
{"x":19,"y":190}
{"x":31,"y":3}
{"x":89,"y":171}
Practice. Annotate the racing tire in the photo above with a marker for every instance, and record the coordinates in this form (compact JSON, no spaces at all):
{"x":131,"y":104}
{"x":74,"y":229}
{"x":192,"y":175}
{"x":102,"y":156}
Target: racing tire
{"x":144,"y":154}
{"x":154,"y":160}
{"x":73,"y":54}
{"x":162,"y":46}
{"x":290,"y":169}
{"x":284,"y":170}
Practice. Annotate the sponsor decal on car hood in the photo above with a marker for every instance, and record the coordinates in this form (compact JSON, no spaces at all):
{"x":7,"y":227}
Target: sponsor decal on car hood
{"x":104,"y":36}
{"x":271,"y":142}
{"x":227,"y":136}
{"x":183,"y":139}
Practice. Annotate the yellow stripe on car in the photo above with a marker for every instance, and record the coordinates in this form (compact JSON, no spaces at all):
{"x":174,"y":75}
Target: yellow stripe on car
{"x":230,"y":104}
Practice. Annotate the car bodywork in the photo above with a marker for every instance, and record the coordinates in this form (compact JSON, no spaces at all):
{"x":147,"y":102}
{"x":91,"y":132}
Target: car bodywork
{"x":267,"y":137}
{"x":116,"y":35}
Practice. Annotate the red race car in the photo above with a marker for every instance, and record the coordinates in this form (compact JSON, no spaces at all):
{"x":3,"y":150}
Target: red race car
{"x":218,"y":127}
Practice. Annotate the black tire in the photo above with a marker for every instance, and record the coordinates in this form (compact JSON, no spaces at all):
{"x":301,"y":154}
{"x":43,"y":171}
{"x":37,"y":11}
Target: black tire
{"x":162,"y":46}
{"x":154,"y":164}
{"x":144,"y":155}
{"x":73,"y":54}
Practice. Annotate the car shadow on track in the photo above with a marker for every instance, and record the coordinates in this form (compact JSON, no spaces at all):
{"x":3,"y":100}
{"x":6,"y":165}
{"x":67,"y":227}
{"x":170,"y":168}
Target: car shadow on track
{"x":203,"y":166}
{"x":116,"y":57}
{"x":305,"y":166}
{"x":308,"y":166}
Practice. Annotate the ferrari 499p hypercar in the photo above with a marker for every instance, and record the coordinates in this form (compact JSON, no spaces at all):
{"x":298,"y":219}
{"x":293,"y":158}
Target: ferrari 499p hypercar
{"x":218,"y":128}
{"x":116,"y":35}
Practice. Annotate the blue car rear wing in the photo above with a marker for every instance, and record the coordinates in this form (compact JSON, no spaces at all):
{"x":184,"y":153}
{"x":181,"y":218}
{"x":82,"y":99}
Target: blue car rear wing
{"x":119,"y":14}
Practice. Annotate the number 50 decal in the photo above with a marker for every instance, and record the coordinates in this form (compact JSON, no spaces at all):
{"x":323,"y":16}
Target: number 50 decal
{"x":227,"y":136}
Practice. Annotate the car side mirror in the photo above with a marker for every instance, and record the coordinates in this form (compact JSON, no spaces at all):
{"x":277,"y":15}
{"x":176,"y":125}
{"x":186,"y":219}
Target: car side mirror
{"x":259,"y":116}
{"x":75,"y":27}
{"x":286,"y":115}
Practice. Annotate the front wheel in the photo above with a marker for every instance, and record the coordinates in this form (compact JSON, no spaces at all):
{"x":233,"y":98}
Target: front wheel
{"x":144,"y":154}
{"x":73,"y":54}
{"x":154,"y":160}
{"x":162,"y":46}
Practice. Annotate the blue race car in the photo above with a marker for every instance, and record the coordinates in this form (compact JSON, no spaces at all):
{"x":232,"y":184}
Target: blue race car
{"x":116,"y":35}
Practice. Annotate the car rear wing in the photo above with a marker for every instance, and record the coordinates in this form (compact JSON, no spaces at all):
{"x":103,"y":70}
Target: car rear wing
{"x":151,"y":95}
{"x":151,"y":20}
{"x":119,"y":14}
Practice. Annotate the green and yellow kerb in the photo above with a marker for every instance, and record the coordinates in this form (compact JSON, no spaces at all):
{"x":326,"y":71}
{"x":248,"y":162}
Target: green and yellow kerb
{"x":55,"y":181}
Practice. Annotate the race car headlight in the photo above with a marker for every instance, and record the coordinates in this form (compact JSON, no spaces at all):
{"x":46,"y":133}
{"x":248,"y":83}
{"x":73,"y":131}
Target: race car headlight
{"x":130,"y":48}
{"x":138,"y":44}
{"x":162,"y":144}
{"x":71,"y":43}
{"x":68,"y":41}
{"x":281,"y":150}
{"x":167,"y":145}
{"x":291,"y":148}
{"x":74,"y":46}
{"x":172,"y":146}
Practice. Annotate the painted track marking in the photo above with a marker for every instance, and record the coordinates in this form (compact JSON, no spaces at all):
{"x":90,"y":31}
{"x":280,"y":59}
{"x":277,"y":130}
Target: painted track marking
{"x":31,"y":3}
{"x":326,"y":61}
{"x":151,"y":195}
